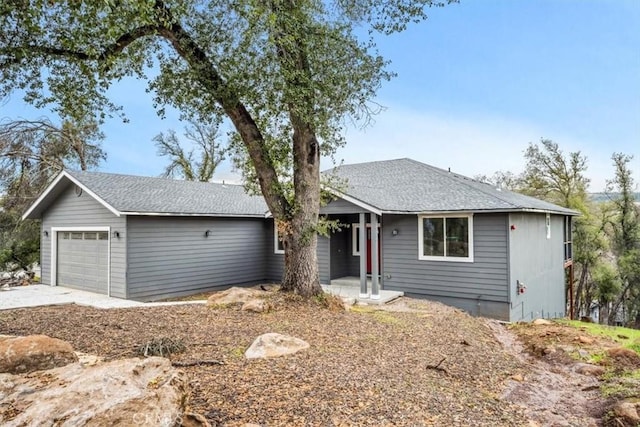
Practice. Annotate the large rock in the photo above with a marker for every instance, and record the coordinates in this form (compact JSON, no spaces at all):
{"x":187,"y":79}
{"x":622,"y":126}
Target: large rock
{"x":34,"y":353}
{"x":274,"y":345}
{"x":147,"y":392}
{"x":589,"y":369}
{"x":234,"y":295}
{"x":256,"y":306}
{"x":627,"y":411}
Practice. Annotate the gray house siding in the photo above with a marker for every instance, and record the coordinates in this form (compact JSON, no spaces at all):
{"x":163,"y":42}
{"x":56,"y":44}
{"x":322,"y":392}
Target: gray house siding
{"x":274,"y":263}
{"x":171,"y":256}
{"x":324,"y":265}
{"x":479,"y":287}
{"x":538,"y":263}
{"x":70,"y":210}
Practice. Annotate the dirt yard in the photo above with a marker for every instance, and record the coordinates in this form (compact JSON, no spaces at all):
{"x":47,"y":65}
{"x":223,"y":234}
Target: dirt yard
{"x":415,"y":364}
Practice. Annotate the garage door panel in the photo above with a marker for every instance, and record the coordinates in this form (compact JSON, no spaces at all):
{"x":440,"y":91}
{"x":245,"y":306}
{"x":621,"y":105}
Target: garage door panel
{"x":83,"y":261}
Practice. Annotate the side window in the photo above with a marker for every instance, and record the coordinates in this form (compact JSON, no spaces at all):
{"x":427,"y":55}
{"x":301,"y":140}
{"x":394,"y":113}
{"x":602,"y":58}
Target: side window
{"x":355,"y":239}
{"x":445,"y":238}
{"x":278,"y":246}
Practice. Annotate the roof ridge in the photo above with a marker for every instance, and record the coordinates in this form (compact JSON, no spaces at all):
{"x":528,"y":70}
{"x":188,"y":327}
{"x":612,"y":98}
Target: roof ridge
{"x":366,"y":163}
{"x":155,"y":178}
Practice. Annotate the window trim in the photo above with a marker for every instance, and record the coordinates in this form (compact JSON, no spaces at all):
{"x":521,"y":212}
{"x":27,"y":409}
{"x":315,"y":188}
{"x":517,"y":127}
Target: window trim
{"x":276,"y":240}
{"x":423,"y":257}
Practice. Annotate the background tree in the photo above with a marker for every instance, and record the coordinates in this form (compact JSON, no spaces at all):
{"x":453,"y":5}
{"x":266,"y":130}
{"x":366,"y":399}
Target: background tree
{"x":608,"y":287}
{"x":31,"y":154}
{"x":285,"y":73}
{"x":197,"y":164}
{"x":590,"y":245}
{"x":625,"y":230}
{"x":502,"y":179}
{"x":553,"y":176}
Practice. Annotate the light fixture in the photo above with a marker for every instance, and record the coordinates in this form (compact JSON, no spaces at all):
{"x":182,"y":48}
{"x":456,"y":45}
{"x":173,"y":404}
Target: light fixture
{"x":207,"y":233}
{"x":394,"y":232}
{"x":46,"y":233}
{"x":116,"y":234}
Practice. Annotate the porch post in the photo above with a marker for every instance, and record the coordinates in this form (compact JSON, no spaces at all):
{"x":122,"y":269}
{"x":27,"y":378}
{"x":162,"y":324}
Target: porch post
{"x":375,"y":286}
{"x":362,"y":239}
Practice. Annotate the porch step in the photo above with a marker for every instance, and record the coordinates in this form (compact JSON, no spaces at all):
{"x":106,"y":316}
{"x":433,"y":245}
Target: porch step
{"x":350,"y":281}
{"x":349,"y":287}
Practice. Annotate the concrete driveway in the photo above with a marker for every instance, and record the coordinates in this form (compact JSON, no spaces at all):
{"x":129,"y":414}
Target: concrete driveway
{"x":39,"y":295}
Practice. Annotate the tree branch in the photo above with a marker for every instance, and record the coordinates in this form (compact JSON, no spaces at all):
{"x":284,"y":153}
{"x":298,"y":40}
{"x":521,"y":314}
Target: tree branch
{"x":109,"y":51}
{"x":186,"y":48}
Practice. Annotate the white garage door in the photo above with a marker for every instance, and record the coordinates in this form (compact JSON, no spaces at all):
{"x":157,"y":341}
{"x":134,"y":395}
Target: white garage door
{"x":83,"y":260}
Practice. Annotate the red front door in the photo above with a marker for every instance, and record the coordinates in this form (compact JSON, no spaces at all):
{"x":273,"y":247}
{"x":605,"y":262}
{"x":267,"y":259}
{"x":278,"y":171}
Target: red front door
{"x":369,"y":250}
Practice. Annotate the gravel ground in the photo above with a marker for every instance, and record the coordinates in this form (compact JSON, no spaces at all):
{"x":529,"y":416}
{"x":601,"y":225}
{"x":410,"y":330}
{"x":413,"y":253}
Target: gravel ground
{"x":435,"y":366}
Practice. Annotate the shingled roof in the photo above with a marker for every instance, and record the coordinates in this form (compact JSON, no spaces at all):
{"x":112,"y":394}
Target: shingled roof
{"x":408,"y":186}
{"x":139,"y":195}
{"x":390,"y":186}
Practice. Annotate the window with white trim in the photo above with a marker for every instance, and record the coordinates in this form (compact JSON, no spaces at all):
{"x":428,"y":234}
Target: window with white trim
{"x":278,"y":245}
{"x":445,"y":237}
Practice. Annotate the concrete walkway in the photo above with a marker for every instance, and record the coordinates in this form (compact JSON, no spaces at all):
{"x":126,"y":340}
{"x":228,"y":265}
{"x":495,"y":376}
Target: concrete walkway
{"x":40,"y":295}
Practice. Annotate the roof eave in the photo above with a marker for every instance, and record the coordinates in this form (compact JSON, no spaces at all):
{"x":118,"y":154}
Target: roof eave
{"x":428,"y":212}
{"x":213,"y":215}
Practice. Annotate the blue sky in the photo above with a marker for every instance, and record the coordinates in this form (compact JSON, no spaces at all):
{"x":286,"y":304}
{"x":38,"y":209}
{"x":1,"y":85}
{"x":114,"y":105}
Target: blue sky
{"x":476,"y":83}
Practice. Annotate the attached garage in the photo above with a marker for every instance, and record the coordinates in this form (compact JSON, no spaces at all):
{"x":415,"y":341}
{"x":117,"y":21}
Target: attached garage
{"x":82,"y":259}
{"x":149,"y":238}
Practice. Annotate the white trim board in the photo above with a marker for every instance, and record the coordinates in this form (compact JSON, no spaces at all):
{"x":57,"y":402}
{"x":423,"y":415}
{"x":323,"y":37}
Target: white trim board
{"x":54,"y":251}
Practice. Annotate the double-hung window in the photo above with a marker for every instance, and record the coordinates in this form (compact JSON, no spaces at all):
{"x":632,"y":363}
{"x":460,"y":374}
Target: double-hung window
{"x":445,"y":237}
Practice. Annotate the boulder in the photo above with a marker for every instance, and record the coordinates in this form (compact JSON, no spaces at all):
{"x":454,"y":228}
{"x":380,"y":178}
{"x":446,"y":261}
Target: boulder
{"x":627,"y":411}
{"x":34,"y":353}
{"x":193,"y":420}
{"x":584,"y":340}
{"x":274,"y":345}
{"x":589,"y":369}
{"x":624,"y":357}
{"x":255,"y":306}
{"x":147,"y":392}
{"x":234,"y":295}
{"x":622,"y":352}
{"x":540,"y":322}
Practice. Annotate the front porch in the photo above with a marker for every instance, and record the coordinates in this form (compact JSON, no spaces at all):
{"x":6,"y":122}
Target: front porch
{"x":349,"y":287}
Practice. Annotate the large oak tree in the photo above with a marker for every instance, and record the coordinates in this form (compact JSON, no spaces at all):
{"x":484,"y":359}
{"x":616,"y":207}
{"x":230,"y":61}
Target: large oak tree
{"x":286,"y":74}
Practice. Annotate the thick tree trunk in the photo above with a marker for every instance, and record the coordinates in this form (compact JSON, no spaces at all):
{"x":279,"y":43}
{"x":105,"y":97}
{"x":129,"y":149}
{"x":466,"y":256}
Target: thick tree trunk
{"x":579,"y":300}
{"x":301,"y":266}
{"x":300,"y":216}
{"x":300,"y":243}
{"x":604,"y":314}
